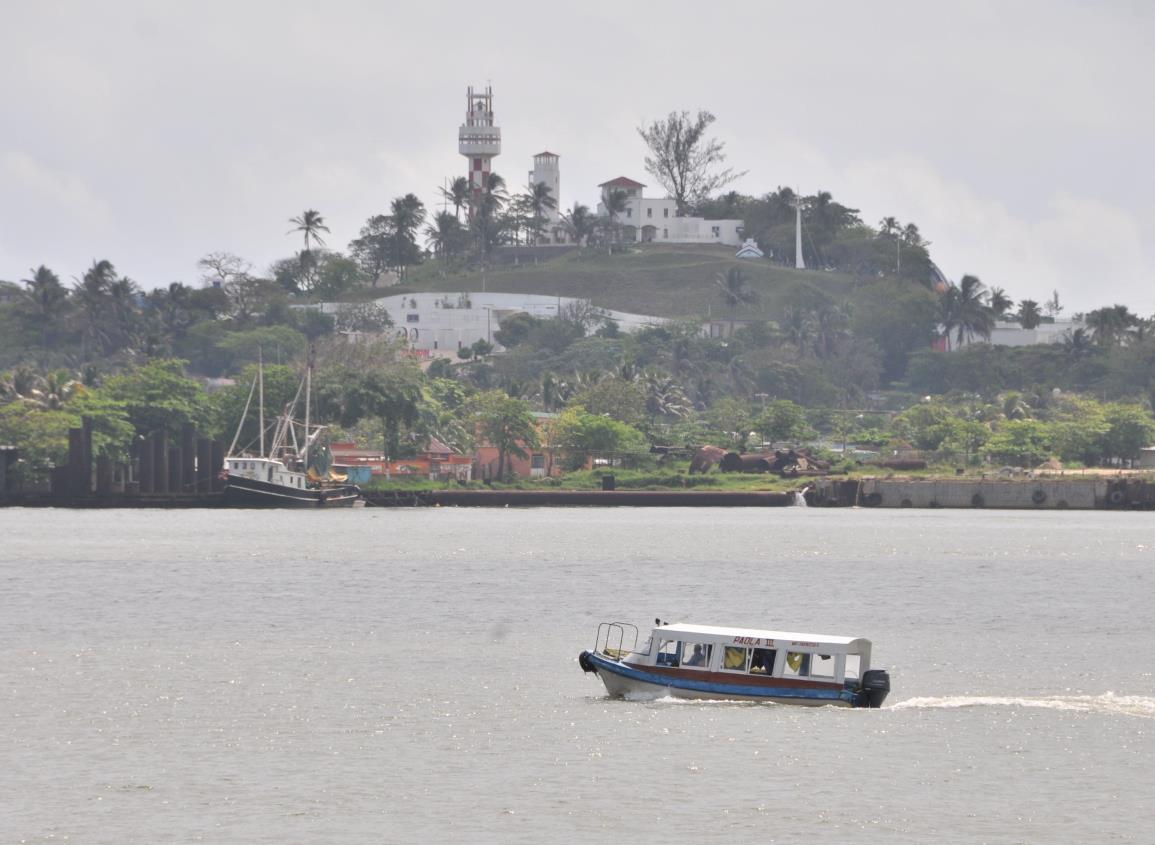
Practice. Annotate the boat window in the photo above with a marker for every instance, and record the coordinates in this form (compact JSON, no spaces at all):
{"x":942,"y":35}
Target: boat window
{"x":668,"y":653}
{"x":762,"y":661}
{"x":697,"y":655}
{"x":853,"y":666}
{"x":735,"y":658}
{"x":822,"y":667}
{"x":797,"y":665}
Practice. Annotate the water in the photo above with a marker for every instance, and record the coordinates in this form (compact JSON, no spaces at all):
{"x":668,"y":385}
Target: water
{"x":411,"y":676}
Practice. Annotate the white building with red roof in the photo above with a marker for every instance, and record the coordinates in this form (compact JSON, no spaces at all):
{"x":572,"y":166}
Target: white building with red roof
{"x":649,"y":220}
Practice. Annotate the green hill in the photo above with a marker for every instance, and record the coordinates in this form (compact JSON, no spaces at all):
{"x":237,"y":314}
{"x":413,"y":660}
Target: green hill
{"x":664,"y":280}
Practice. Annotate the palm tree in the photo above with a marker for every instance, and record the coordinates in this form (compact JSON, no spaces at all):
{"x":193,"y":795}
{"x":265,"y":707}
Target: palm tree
{"x":615,"y":202}
{"x":664,"y":396}
{"x":541,"y":202}
{"x":1077,"y":343}
{"x":999,"y":301}
{"x":735,"y":291}
{"x":92,"y":293}
{"x":485,"y":211}
{"x":457,"y":193}
{"x":1030,"y":315}
{"x":889,"y":226}
{"x":911,"y":235}
{"x":444,"y":235}
{"x":1111,"y":326}
{"x":45,"y":299}
{"x":798,"y":327}
{"x":408,"y":215}
{"x":311,"y":223}
{"x":965,"y":312}
{"x":579,"y":223}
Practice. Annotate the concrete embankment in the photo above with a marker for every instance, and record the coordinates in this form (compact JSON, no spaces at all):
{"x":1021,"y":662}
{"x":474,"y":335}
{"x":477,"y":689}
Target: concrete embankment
{"x":566,"y":498}
{"x":1058,"y":492}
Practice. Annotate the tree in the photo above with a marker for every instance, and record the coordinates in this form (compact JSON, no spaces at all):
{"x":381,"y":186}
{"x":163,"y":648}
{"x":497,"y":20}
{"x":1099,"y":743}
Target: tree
{"x":1130,"y":428}
{"x":44,"y":302}
{"x":782,"y":420}
{"x":311,"y":224}
{"x":458,"y":194}
{"x":999,"y":302}
{"x":515,"y":329}
{"x":408,"y":215}
{"x":1029,"y":315}
{"x":446,"y":235}
{"x":92,"y":294}
{"x":579,"y":223}
{"x":504,"y":423}
{"x":1111,"y":326}
{"x":1052,"y":306}
{"x":219,"y":269}
{"x":541,"y":202}
{"x":613,"y":397}
{"x":614,"y":201}
{"x":735,"y":291}
{"x":965,"y":311}
{"x":580,"y":434}
{"x":683,"y":160}
{"x":373,"y":248}
{"x":159,"y":395}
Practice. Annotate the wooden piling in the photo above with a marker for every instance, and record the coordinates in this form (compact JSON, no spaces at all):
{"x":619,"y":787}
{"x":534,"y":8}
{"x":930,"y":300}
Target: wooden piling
{"x":160,"y":461}
{"x":204,"y":476}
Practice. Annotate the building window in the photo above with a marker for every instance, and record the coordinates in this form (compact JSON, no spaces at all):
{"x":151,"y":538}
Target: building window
{"x":717,"y":230}
{"x":629,"y":212}
{"x":665,"y":234}
{"x":412,"y":318}
{"x":665,"y":212}
{"x":649,"y":212}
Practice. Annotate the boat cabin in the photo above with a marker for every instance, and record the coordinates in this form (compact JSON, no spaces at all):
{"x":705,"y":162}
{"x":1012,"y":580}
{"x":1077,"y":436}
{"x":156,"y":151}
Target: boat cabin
{"x":746,"y":651}
{"x":268,"y":470}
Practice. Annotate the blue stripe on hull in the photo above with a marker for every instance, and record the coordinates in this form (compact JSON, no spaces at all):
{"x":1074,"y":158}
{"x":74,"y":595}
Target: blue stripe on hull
{"x":710,"y":688}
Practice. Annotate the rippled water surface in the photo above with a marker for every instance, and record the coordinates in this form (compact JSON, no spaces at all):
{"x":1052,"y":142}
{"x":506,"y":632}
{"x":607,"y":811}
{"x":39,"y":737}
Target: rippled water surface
{"x":411,"y":676}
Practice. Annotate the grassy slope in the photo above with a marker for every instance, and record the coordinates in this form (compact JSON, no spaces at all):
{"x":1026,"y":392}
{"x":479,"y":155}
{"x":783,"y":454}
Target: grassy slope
{"x":666,"y":280}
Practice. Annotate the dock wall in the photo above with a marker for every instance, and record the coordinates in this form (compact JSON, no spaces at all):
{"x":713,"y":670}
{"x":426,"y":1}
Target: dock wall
{"x":1076,"y":492}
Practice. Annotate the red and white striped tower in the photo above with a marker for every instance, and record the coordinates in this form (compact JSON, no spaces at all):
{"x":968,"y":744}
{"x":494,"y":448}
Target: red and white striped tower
{"x":479,"y":139}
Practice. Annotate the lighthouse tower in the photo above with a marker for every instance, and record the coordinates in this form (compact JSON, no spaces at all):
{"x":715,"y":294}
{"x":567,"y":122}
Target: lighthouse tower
{"x":546,"y":171}
{"x":479,"y":138}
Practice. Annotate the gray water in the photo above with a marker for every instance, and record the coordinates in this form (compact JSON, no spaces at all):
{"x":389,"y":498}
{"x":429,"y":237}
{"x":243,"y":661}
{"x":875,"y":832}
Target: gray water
{"x":411,"y":676}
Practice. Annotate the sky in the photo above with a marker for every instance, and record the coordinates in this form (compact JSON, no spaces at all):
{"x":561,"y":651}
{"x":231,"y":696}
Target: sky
{"x":1016,"y":135}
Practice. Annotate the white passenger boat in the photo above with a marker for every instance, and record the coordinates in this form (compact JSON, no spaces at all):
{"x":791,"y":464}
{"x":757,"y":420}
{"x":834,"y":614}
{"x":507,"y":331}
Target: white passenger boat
{"x":739,"y":664}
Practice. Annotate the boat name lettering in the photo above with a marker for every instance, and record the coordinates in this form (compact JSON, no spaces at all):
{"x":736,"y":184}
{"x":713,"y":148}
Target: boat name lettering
{"x":800,"y":642}
{"x":752,"y":641}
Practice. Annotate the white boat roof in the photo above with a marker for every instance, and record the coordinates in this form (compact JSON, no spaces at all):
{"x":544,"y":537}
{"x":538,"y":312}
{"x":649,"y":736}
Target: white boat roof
{"x":684,"y":628}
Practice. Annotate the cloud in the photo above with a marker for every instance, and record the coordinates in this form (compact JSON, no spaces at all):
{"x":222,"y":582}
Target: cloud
{"x":58,"y":191}
{"x":1088,"y":249}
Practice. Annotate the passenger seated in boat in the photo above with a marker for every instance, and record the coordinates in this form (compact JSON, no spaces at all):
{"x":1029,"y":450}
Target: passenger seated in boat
{"x":762,"y":661}
{"x":698,"y":657}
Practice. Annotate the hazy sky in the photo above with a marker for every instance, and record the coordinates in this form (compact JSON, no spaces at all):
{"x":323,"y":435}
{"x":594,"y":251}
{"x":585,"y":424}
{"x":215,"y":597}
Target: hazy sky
{"x":1018,"y":136}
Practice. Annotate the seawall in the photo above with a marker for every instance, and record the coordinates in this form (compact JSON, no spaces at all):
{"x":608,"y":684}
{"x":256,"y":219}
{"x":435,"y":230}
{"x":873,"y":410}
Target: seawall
{"x":575,"y":498}
{"x":1047,"y":492}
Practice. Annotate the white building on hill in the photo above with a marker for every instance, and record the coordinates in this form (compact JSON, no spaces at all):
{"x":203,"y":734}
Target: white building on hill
{"x":442,"y":323}
{"x":647,"y":220}
{"x":1006,"y":333}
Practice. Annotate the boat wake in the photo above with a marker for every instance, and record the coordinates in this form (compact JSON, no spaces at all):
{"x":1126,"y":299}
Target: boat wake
{"x":1125,"y":705}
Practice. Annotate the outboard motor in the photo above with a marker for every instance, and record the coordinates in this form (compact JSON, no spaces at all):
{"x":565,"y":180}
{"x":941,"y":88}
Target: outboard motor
{"x":588,"y":665}
{"x":875,"y":686}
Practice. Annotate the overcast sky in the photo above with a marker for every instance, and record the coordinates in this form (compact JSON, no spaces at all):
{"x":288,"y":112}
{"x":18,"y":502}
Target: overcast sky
{"x":1018,"y":136}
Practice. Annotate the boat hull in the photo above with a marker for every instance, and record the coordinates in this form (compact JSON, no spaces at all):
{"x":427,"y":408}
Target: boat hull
{"x":624,"y":680}
{"x":250,"y":493}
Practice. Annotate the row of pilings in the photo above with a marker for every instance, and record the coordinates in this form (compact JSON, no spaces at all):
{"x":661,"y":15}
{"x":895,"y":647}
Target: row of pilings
{"x":184,"y":470}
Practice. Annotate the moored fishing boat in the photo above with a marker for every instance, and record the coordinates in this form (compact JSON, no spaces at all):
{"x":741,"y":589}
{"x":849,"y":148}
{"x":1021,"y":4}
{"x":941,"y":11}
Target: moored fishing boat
{"x":294,"y":470}
{"x":740,"y":664}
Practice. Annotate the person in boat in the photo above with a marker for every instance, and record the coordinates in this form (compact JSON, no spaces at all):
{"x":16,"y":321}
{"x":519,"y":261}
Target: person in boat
{"x":763,"y":658}
{"x":698,"y":657}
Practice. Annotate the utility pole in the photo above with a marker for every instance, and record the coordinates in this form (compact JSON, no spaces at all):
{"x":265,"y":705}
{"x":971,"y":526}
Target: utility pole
{"x":799,"y":263}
